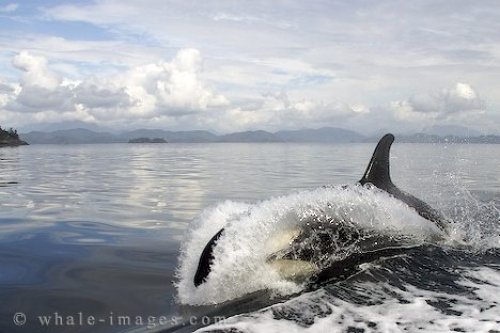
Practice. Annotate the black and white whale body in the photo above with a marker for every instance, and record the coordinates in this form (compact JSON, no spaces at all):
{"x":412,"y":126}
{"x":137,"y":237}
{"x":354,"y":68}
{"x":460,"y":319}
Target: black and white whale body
{"x":308,"y":254}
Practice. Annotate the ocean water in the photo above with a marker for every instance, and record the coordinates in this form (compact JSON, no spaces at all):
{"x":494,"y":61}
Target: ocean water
{"x":106,"y":238}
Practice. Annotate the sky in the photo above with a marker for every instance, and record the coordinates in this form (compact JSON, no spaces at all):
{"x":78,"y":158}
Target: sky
{"x":228,"y":66}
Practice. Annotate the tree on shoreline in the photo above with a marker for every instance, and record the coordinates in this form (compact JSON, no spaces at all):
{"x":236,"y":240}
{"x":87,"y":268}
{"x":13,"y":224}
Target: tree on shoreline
{"x":10,"y":137}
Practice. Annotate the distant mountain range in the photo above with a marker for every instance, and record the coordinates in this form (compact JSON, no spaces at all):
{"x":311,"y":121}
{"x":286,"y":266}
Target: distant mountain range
{"x":324,"y":135}
{"x":450,"y":130}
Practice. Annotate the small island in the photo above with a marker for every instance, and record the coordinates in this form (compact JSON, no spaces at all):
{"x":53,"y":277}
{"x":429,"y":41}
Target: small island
{"x":10,"y":138}
{"x":147,"y":140}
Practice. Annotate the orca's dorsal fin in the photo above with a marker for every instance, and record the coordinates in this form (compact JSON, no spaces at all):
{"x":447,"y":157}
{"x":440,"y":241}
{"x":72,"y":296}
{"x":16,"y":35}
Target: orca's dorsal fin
{"x":378,"y":174}
{"x":378,"y":170}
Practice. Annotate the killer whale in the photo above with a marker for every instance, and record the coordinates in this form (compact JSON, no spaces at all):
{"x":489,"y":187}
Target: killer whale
{"x":378,"y":175}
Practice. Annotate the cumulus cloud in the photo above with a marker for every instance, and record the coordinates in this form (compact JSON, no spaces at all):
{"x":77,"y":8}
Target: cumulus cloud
{"x":35,"y":99}
{"x":92,"y":95}
{"x":167,"y":88}
{"x":176,"y":85}
{"x":40,"y":87}
{"x":7,"y":91}
{"x":447,"y":104}
{"x":277,"y":111}
{"x":176,"y":94}
{"x":36,"y":71}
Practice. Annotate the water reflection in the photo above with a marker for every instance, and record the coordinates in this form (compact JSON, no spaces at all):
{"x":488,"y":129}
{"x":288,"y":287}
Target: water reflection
{"x":47,"y":269}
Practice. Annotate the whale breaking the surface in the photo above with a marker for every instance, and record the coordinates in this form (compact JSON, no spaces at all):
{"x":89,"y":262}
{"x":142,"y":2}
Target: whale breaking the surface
{"x":320,"y":235}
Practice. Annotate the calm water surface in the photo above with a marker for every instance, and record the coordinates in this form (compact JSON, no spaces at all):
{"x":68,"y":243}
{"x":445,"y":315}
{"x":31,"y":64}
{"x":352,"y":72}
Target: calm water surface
{"x":95,"y":229}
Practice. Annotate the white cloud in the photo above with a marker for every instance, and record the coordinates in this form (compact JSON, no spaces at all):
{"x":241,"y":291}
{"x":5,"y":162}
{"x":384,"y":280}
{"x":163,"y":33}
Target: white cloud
{"x":169,"y":89}
{"x":36,"y":71}
{"x":94,"y":95}
{"x":7,"y":92}
{"x":174,"y":94}
{"x":277,"y":111}
{"x":177,"y":84}
{"x":445,"y":104}
{"x":36,"y":99}
{"x":458,"y":105}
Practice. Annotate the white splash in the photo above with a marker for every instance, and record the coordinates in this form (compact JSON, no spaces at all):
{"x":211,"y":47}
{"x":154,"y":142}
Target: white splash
{"x":240,"y":266}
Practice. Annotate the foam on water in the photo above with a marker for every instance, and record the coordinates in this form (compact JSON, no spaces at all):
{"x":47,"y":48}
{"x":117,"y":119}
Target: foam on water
{"x":386,"y":308}
{"x":240,"y":267}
